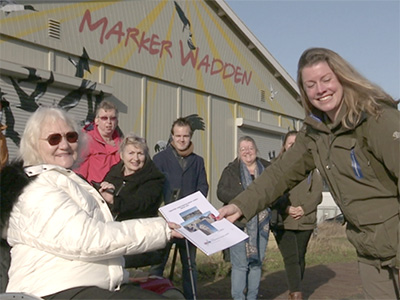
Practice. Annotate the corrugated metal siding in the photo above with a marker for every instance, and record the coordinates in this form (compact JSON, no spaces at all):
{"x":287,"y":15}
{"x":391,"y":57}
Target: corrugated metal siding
{"x":162,"y":108}
{"x":267,"y":142}
{"x":157,"y":21}
{"x":223,"y":139}
{"x":248,"y":112}
{"x":153,"y":88}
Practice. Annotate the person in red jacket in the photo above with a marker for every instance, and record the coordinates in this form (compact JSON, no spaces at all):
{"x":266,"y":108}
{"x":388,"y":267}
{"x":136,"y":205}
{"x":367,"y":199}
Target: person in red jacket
{"x":104,"y":143}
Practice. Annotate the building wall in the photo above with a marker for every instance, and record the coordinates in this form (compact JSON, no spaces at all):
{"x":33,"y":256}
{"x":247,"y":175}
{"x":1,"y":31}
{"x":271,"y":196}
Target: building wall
{"x":140,"y":58}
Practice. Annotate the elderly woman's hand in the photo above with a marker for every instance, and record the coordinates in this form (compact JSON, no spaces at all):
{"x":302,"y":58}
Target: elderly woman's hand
{"x":173,"y":226}
{"x":107,"y":191}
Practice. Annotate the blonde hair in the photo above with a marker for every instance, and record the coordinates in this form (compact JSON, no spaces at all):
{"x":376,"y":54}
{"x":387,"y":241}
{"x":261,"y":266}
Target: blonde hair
{"x":359,"y":94}
{"x":137,"y":141}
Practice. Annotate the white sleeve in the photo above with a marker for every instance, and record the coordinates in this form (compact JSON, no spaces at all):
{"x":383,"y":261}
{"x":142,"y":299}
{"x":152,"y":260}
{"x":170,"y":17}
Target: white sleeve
{"x":48,"y":219}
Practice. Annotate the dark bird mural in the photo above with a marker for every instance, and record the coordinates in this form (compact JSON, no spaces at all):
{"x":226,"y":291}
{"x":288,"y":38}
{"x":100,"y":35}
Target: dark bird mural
{"x":73,"y":98}
{"x":271,"y":155}
{"x":82,"y":64}
{"x":196,"y":123}
{"x":27,"y":102}
{"x":2,"y":99}
{"x":32,"y":77}
{"x":41,"y":87}
{"x":186,"y":25}
{"x":182,"y":16}
{"x":92,"y":107}
{"x":9,"y":6}
{"x":10,"y":122}
{"x":30,"y":102}
{"x":3,"y":104}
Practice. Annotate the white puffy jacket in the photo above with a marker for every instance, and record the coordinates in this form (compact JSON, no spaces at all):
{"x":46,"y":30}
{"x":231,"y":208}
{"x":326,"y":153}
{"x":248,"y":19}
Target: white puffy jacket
{"x":63,"y":236}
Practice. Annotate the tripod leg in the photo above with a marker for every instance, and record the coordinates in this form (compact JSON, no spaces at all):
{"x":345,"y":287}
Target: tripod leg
{"x":171,"y":273}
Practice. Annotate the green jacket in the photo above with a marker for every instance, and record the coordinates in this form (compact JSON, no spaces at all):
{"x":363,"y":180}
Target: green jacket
{"x":361,"y":167}
{"x":307,"y":194}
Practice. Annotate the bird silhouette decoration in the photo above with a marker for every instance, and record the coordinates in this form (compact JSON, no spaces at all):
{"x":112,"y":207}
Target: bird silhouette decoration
{"x":196,"y":123}
{"x":73,"y":98}
{"x":92,"y":107}
{"x":9,"y":6}
{"x":10,"y":121}
{"x":30,"y":102}
{"x":273,"y":93}
{"x":3,"y":103}
{"x":82,"y":64}
{"x":32,"y":77}
{"x":186,"y":25}
{"x":271,"y":155}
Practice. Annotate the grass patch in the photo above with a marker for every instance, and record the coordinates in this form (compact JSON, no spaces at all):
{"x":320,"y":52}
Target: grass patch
{"x":327,"y":245}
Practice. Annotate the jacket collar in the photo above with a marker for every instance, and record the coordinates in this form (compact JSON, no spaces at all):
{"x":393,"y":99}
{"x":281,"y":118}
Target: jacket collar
{"x":322,"y":123}
{"x":39,"y":169}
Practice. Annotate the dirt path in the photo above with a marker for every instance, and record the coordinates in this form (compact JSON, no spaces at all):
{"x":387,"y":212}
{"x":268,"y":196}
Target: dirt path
{"x":334,"y":281}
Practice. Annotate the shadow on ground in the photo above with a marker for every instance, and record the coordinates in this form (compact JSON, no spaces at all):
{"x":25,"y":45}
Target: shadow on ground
{"x":334,"y":281}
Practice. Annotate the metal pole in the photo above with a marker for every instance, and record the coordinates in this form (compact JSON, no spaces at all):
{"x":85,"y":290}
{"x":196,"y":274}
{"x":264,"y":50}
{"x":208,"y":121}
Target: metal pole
{"x":171,"y":273}
{"x":190,"y":269}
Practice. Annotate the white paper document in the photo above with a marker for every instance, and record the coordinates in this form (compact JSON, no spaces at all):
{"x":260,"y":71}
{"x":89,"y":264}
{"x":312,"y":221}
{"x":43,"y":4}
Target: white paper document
{"x":199,"y":225}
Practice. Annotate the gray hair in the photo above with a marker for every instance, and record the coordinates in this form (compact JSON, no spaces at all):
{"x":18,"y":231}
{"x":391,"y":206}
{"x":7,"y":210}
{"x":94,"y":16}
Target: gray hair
{"x":247,"y":139}
{"x":137,"y":141}
{"x":29,"y":147}
{"x":106,"y":105}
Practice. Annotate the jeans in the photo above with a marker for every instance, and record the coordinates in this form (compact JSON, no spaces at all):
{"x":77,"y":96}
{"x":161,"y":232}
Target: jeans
{"x":293,"y":247}
{"x":243,"y":275}
{"x":186,"y":268}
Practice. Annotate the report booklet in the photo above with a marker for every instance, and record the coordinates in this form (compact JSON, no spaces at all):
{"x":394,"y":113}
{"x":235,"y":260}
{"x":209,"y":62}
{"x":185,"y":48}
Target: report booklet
{"x":199,"y":225}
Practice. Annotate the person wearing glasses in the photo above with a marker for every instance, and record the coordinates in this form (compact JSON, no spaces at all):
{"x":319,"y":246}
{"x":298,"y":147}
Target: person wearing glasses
{"x":65,"y":244}
{"x":247,"y":256}
{"x":102,"y":152}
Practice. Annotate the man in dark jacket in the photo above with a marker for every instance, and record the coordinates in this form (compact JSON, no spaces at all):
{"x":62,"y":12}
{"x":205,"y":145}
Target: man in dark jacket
{"x":185,"y":174}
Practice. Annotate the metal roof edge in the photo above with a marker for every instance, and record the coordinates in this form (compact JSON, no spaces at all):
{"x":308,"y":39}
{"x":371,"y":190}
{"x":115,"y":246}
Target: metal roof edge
{"x":257,"y":44}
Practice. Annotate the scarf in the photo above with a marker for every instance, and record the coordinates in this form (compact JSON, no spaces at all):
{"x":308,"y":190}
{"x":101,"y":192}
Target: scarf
{"x":186,"y":152}
{"x":259,"y":224}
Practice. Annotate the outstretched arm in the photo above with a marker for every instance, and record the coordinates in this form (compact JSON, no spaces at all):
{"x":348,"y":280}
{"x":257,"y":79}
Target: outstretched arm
{"x":231,"y":212}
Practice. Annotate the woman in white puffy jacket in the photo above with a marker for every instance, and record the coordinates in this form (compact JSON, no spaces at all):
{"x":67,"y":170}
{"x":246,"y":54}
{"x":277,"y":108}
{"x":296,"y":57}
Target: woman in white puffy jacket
{"x":65,"y":244}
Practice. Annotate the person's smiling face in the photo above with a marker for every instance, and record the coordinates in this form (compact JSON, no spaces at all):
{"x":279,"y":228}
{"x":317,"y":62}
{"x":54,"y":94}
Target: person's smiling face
{"x":324,"y":91}
{"x":64,"y":153}
{"x":133,"y":158}
{"x":247,"y":152}
{"x":181,"y":137}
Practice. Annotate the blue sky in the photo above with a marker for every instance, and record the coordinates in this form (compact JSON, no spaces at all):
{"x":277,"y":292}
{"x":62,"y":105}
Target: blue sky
{"x":364,"y":32}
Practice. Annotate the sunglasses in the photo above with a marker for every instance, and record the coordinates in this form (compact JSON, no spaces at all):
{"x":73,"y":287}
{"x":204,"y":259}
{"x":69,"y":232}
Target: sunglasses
{"x":55,"y":138}
{"x":104,"y":118}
